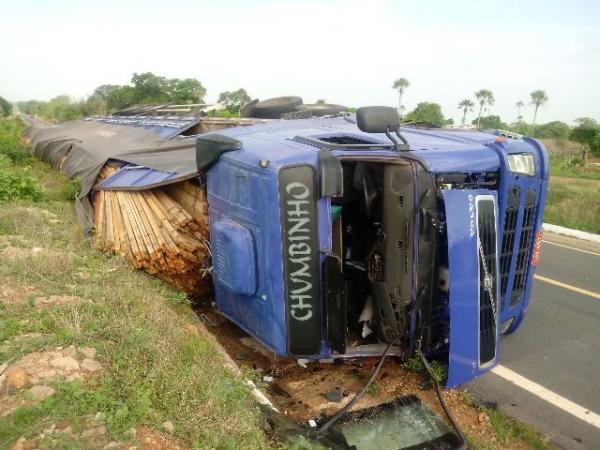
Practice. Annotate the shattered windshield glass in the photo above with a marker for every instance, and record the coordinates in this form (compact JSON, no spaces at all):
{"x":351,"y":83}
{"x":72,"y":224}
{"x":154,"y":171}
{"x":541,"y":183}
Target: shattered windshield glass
{"x":403,"y":424}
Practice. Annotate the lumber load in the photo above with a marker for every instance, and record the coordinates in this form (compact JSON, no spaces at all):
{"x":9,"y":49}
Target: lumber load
{"x":163,"y":231}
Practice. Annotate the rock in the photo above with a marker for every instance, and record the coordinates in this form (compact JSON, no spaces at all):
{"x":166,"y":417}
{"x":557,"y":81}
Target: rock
{"x":40,"y":392}
{"x":91,"y":432}
{"x":70,"y":351}
{"x":88,"y":352}
{"x":334,"y":396}
{"x":268,"y":379}
{"x":65,"y":363}
{"x":111,"y":445}
{"x":17,"y":378}
{"x":192,"y":329}
{"x":91,"y":365}
{"x":168,"y":426}
{"x":482,"y":417}
{"x":45,"y":374}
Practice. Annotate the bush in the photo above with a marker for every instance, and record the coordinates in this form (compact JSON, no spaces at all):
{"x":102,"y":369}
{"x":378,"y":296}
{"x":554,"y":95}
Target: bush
{"x":15,"y":182}
{"x":10,"y":140}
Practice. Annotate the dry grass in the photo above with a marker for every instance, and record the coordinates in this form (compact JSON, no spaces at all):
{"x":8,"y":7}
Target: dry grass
{"x":155,"y":369}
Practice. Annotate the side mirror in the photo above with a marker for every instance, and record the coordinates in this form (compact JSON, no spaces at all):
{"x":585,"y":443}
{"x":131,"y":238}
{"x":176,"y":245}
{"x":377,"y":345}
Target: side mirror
{"x":377,"y":119}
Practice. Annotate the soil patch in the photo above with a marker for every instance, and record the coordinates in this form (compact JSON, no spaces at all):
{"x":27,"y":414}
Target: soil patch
{"x":302,"y":393}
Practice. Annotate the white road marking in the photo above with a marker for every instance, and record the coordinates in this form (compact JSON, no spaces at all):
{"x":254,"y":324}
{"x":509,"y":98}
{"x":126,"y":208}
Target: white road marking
{"x":553,"y":398}
{"x":571,"y":248}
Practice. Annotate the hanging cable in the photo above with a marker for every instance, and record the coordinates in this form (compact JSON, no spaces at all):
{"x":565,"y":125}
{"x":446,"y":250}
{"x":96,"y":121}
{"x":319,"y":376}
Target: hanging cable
{"x":438,"y":391}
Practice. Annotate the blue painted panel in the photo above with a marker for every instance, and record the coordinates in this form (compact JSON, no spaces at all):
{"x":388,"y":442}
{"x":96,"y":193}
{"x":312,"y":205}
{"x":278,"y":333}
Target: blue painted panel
{"x":136,"y":177}
{"x":463,"y":265}
{"x":233,"y":257}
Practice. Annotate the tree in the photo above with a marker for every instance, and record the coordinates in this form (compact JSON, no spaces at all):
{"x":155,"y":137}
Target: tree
{"x":485,"y":99}
{"x":538,"y":98}
{"x":587,"y":133}
{"x":149,"y":88}
{"x":521,"y":128}
{"x":400,"y":85}
{"x":553,"y":130}
{"x":519,"y":105}
{"x":321,"y":101}
{"x":5,"y":107}
{"x":185,"y":91}
{"x":493,"y":122}
{"x":465,"y":105}
{"x":116,"y":97}
{"x":233,"y":101}
{"x":427,"y":112}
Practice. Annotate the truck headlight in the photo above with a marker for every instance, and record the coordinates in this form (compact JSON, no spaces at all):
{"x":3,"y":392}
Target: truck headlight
{"x":522,"y":163}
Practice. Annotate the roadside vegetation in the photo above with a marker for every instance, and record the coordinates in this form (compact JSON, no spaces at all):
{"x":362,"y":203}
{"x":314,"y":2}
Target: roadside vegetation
{"x":97,"y":353}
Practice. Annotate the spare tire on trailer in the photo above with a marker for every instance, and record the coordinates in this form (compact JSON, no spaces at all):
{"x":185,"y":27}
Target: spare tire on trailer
{"x":273,"y":108}
{"x":321,"y":109}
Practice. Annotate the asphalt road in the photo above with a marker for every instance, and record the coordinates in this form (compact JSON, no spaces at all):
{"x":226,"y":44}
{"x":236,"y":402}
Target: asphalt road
{"x":557,"y":347}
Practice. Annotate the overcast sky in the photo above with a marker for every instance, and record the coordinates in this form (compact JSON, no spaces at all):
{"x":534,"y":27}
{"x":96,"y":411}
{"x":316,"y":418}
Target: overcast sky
{"x":346,"y":52}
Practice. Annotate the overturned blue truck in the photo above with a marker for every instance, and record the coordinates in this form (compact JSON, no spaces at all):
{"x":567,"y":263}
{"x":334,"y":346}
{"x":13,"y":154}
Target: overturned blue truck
{"x":345,"y":236}
{"x":333,"y":238}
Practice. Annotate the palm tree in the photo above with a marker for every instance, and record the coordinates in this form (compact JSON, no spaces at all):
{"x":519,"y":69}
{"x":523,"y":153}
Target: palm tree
{"x":538,"y":98}
{"x":400,"y":85}
{"x":519,"y":105}
{"x":484,"y":97}
{"x":465,"y":105}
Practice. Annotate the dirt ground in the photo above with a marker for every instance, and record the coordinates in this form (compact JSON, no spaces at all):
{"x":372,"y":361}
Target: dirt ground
{"x":300,"y":392}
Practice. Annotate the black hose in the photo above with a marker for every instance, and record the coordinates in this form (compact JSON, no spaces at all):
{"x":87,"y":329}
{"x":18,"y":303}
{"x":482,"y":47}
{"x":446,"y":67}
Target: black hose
{"x":438,"y":391}
{"x":358,"y":396}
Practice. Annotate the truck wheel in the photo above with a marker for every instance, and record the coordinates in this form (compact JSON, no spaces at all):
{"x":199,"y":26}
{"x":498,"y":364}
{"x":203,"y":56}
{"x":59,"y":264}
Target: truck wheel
{"x":321,"y":109}
{"x":247,"y":109}
{"x":274,"y":108}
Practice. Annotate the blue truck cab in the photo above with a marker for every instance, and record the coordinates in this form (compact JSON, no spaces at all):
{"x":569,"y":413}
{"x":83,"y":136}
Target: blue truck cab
{"x":333,"y":237}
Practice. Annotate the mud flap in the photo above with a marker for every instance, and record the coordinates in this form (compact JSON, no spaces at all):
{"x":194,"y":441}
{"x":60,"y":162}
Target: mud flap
{"x":471,"y":224}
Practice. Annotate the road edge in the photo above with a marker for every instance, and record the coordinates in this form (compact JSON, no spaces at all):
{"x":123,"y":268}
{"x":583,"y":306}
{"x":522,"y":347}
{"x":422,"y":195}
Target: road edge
{"x":564,"y":231}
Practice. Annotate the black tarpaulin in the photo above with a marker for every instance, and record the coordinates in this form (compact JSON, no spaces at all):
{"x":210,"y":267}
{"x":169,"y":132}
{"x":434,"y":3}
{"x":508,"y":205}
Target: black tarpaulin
{"x":82,"y":148}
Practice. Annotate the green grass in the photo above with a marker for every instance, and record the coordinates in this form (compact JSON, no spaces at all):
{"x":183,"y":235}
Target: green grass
{"x":574,"y":204}
{"x":153,"y":369}
{"x":508,"y":428}
{"x":570,"y":165}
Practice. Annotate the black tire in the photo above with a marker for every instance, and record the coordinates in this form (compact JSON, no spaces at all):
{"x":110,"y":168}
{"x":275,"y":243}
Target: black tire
{"x":322,"y":109}
{"x":247,"y":109}
{"x":274,"y":108}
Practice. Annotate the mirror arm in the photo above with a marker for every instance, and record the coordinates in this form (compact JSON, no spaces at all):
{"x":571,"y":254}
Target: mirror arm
{"x":400,"y":147}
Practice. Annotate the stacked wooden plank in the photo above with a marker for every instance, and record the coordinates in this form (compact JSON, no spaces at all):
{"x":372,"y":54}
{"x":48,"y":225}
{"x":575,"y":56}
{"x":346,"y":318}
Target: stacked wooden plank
{"x":163,"y":231}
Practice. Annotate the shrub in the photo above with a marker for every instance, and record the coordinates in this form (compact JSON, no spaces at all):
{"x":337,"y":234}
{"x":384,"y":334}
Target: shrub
{"x":15,"y":182}
{"x":10,"y":138}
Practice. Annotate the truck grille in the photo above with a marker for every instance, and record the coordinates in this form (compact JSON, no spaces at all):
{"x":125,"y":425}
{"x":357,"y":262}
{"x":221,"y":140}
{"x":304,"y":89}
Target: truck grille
{"x":488,"y":314}
{"x":510,"y":227}
{"x":524,"y":246}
